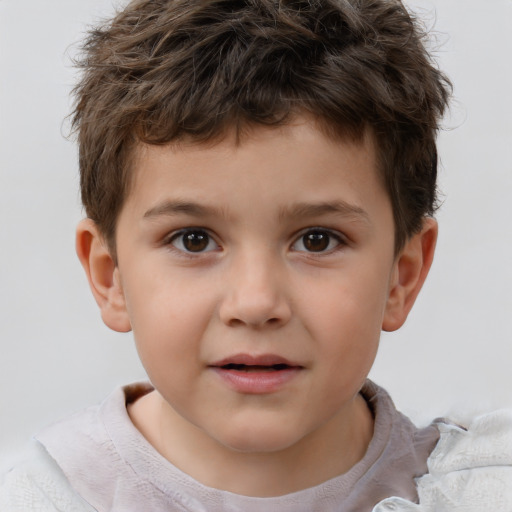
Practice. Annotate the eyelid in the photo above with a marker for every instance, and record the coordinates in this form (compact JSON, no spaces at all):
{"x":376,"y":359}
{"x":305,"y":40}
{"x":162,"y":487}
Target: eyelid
{"x":339,"y":237}
{"x":175,"y":235}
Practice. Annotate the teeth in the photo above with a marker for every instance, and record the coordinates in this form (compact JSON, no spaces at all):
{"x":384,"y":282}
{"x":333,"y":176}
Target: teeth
{"x":255,"y":368}
{"x":250,"y":369}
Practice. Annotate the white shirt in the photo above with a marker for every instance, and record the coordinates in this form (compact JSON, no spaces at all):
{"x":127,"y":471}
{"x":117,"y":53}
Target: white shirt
{"x":98,"y":461}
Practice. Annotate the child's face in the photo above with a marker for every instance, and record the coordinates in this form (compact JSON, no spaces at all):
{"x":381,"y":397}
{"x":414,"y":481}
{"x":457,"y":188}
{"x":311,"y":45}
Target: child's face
{"x":278,"y":251}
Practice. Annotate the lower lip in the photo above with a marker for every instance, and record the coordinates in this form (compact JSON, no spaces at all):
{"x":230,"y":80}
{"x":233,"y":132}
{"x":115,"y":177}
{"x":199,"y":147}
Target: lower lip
{"x":257,"y":382}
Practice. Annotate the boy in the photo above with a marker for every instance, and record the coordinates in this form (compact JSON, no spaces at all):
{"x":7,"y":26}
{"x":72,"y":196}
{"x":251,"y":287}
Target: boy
{"x":259,"y":182}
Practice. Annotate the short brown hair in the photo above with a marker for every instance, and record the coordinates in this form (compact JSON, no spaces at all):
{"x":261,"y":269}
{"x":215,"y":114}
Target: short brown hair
{"x":162,"y":70}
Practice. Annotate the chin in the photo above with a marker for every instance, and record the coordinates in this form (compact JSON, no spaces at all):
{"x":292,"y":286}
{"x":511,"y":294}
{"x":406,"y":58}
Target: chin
{"x":258,"y":440}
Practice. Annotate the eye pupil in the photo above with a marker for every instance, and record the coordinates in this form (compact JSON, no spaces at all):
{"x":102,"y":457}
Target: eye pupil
{"x":196,"y":241}
{"x":316,"y":241}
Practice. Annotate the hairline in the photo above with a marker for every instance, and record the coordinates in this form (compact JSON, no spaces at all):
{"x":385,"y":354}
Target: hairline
{"x":243,"y":131}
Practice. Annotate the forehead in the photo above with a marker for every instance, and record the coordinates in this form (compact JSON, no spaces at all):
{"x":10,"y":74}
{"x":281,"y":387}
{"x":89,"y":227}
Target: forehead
{"x":298,"y":158}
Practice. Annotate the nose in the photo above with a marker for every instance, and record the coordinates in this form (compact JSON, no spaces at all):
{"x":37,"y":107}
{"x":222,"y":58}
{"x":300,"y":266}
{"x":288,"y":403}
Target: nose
{"x":255,"y":293}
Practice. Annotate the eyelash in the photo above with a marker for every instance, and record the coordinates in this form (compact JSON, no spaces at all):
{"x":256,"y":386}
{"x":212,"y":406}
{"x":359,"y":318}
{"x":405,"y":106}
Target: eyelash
{"x":179,"y":236}
{"x":331,"y":236}
{"x":207,"y":238}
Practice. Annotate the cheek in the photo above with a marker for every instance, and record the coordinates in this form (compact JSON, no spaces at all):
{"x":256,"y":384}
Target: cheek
{"x":344,"y":316}
{"x":347,"y":340}
{"x":167,"y":299}
{"x":169,"y":318}
{"x":350,"y":303}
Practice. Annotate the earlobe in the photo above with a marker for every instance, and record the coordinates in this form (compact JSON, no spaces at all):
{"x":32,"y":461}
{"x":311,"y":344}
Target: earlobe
{"x":103,"y":276}
{"x":410,"y":270}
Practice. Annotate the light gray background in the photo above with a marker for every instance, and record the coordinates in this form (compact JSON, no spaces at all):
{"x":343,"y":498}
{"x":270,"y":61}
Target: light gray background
{"x":453,"y":355}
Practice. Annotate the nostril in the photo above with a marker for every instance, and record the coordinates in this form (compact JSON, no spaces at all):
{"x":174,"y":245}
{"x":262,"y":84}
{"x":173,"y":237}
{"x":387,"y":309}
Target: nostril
{"x":253,"y":309}
{"x":235,"y":322}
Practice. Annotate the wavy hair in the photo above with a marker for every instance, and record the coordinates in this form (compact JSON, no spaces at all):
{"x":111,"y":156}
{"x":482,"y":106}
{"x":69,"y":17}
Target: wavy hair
{"x":162,"y":70}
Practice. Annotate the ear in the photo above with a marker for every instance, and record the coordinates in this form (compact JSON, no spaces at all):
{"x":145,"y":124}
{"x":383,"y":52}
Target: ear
{"x":103,"y":276}
{"x":409,"y":273}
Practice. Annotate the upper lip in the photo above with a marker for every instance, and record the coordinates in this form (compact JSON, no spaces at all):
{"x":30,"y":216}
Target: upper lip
{"x":257,"y":360}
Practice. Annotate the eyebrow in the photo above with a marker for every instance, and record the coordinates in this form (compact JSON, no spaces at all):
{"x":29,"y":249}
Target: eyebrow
{"x":339,"y":208}
{"x":176,"y":207}
{"x":299,"y":210}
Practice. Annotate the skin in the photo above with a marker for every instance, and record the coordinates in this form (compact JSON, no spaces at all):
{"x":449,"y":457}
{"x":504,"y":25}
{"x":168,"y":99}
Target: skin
{"x":257,"y":286}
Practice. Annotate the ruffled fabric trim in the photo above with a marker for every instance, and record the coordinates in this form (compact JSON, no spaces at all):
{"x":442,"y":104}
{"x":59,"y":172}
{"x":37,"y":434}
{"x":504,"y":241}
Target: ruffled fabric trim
{"x":37,"y":484}
{"x":470,"y":470}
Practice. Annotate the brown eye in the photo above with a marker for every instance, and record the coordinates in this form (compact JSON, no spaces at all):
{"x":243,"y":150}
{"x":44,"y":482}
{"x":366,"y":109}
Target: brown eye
{"x":193,"y":240}
{"x":317,"y":240}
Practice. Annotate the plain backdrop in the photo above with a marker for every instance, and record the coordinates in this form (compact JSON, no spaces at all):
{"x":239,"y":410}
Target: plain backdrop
{"x":454,"y":354}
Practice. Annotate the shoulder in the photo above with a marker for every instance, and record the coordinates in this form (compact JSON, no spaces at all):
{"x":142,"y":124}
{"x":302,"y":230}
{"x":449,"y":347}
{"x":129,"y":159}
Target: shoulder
{"x":94,"y":448}
{"x":72,"y":465}
{"x":35,"y":482}
{"x":469,"y":470}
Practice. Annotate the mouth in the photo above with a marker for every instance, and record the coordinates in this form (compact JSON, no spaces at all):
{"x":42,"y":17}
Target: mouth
{"x":255,"y":368}
{"x":256,"y":374}
{"x":261,"y":363}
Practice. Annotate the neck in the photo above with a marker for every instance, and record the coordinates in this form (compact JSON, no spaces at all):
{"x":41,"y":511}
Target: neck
{"x":328,"y":452}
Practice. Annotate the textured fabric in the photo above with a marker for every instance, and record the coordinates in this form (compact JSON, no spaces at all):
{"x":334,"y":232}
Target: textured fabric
{"x":470,"y":470}
{"x":37,"y":484}
{"x":113,"y":468}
